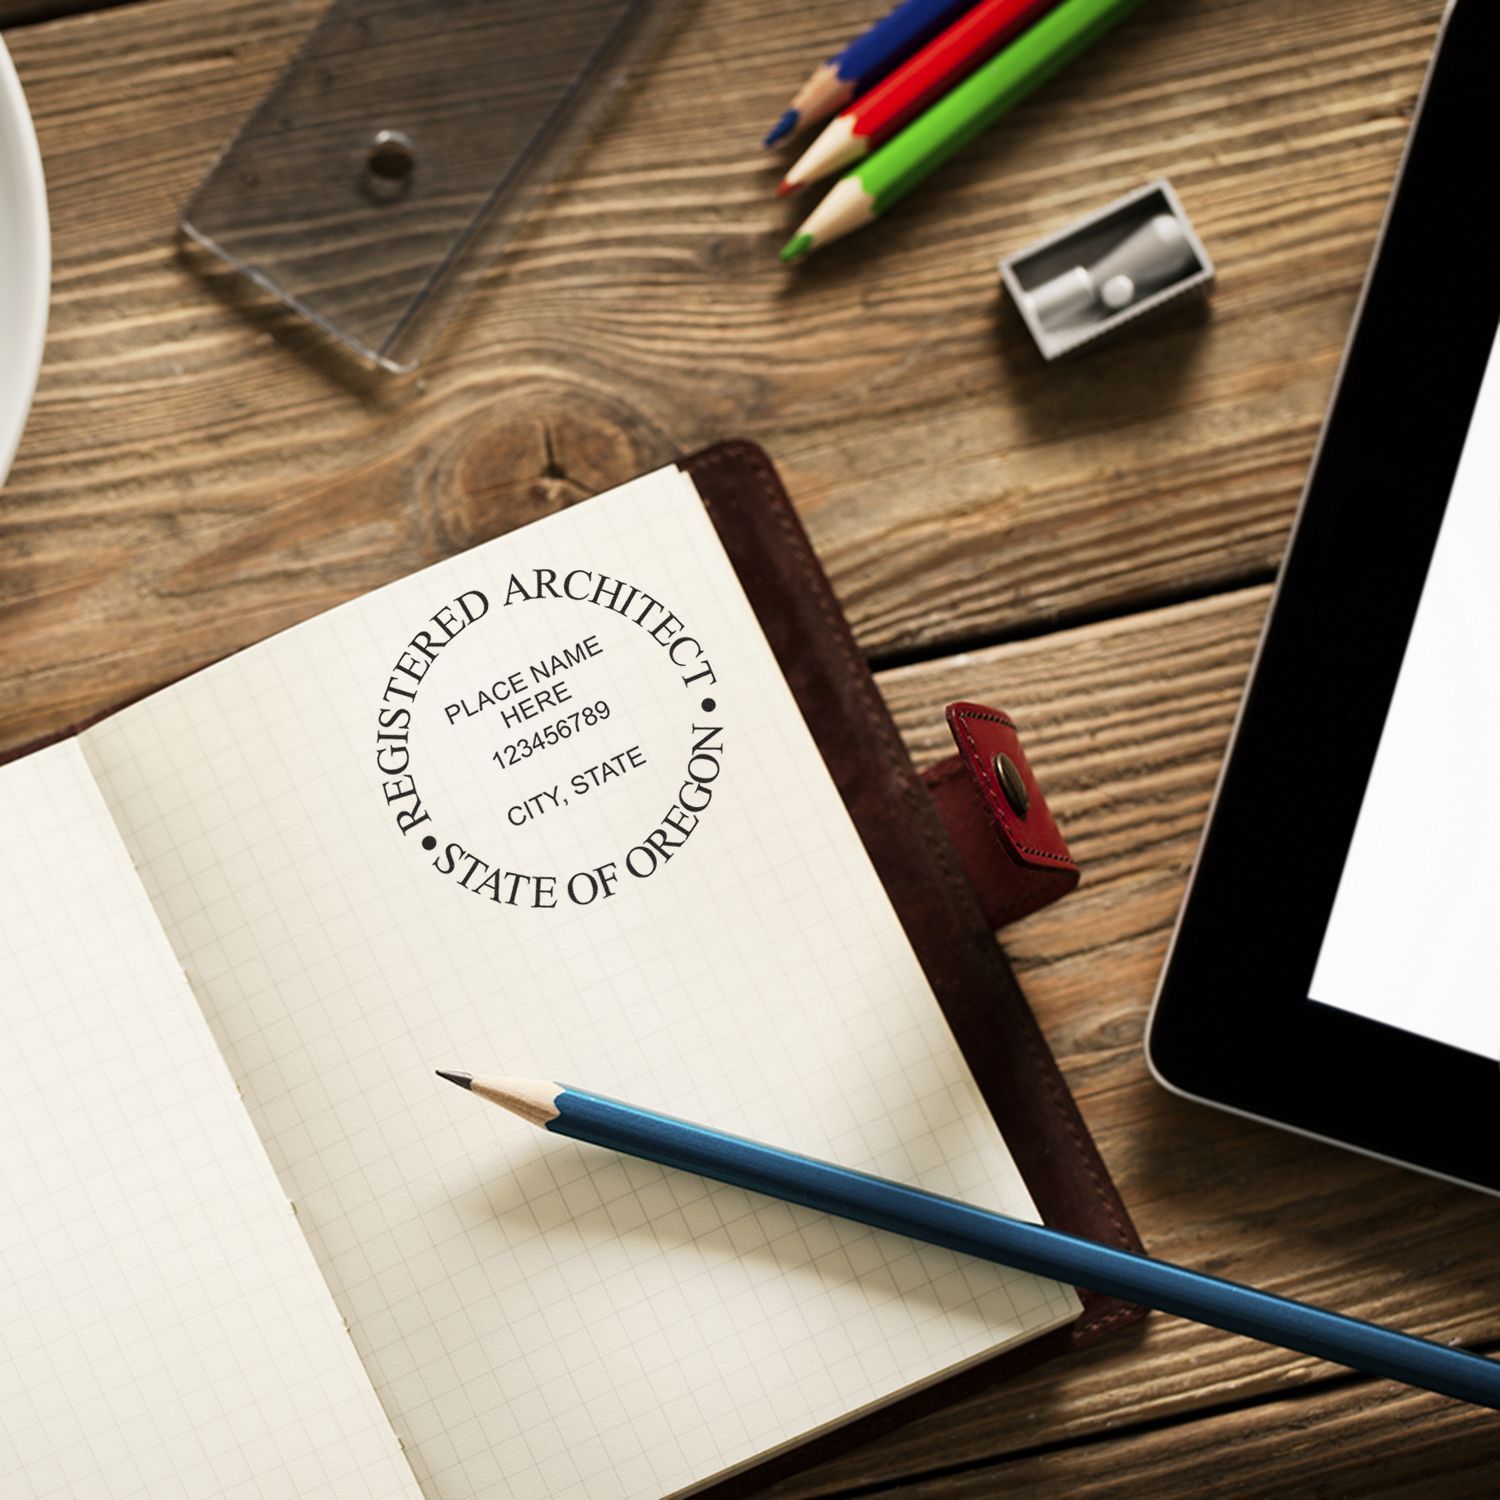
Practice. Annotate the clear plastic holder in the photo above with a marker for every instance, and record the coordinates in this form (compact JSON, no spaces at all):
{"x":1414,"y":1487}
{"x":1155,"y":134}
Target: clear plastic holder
{"x":401,"y":148}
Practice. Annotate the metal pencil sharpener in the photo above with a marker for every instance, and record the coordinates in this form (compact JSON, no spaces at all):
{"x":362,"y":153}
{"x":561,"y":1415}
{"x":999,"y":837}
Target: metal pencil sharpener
{"x":1092,"y":278}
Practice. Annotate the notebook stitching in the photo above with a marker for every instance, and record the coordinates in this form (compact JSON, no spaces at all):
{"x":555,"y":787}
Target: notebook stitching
{"x":996,"y":808}
{"x":1124,"y":1312}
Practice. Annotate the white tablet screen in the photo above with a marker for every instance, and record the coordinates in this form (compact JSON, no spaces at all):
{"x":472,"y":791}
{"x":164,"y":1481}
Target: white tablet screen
{"x":1413,"y":940}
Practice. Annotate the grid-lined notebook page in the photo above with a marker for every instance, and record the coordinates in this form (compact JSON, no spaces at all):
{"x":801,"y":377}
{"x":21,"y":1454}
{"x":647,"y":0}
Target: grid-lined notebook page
{"x":550,"y":809}
{"x":164,"y":1332}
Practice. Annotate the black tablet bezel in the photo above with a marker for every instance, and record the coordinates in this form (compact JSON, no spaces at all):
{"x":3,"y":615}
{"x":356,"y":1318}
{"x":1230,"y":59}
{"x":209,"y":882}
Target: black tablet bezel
{"x":1233,"y":1024}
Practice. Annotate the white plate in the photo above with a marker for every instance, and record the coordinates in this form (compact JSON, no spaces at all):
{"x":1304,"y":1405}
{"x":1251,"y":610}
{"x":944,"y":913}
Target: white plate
{"x":25,"y":261}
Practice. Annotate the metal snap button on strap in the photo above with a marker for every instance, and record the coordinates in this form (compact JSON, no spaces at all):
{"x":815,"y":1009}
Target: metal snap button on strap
{"x":1012,"y":783}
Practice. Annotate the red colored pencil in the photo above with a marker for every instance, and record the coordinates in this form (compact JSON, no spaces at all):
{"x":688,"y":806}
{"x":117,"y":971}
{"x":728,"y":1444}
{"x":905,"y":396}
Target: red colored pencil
{"x":904,"y":94}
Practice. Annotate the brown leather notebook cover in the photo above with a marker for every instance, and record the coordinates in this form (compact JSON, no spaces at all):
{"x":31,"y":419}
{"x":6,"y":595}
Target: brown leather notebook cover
{"x":936,"y":903}
{"x":938,"y":907}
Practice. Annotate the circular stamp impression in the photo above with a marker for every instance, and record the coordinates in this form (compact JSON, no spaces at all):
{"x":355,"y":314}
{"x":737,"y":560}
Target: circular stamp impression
{"x":551,"y":739}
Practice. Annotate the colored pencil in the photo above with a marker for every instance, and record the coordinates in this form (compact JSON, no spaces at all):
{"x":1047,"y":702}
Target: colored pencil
{"x":866,"y":60}
{"x":969,"y":1230}
{"x":887,"y":176}
{"x":898,"y":99}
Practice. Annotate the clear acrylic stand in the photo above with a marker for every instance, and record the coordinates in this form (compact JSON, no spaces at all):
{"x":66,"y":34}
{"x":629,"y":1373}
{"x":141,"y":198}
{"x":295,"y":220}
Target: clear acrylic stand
{"x":400,"y":149}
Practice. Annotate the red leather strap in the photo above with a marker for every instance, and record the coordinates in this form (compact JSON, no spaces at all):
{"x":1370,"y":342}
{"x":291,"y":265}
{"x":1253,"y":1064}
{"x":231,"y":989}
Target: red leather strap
{"x":1015,"y":856}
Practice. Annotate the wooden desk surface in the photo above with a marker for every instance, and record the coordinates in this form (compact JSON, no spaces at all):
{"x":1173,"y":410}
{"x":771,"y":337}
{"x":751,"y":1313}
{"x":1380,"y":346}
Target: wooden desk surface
{"x":1090,"y":546}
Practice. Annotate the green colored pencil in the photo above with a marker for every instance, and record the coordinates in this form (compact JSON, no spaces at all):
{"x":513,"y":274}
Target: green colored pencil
{"x":896,"y":168}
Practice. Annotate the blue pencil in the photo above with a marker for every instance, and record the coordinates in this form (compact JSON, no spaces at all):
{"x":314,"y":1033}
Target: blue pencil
{"x":820,"y":1185}
{"x":866,"y":60}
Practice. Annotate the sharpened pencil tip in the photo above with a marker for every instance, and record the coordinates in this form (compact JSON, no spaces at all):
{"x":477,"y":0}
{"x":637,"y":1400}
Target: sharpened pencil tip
{"x":786,"y":187}
{"x":463,"y":1080}
{"x":796,"y":248}
{"x":782,"y":128}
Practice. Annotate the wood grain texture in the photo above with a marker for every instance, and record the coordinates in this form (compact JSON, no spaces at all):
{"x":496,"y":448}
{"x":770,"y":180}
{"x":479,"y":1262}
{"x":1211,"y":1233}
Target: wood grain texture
{"x":28,"y":12}
{"x":194,"y":477}
{"x":1125,"y":723}
{"x":1385,"y":1444}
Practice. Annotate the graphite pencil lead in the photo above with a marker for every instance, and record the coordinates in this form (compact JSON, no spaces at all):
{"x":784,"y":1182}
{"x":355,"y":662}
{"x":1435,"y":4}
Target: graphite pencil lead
{"x":463,"y":1080}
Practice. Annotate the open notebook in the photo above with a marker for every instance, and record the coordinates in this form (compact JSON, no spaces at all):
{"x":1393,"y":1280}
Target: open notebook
{"x":546,"y":808}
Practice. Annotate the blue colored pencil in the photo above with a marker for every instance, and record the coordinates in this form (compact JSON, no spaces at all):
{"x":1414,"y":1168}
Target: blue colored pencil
{"x":820,"y":1185}
{"x":866,"y":60}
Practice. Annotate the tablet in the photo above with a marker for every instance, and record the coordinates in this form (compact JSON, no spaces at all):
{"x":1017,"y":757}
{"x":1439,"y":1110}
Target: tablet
{"x":1336,"y":964}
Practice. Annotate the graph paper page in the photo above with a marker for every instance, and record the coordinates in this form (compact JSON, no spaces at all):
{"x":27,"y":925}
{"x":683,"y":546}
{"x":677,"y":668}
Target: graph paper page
{"x":164,"y":1331}
{"x":375,"y":861}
